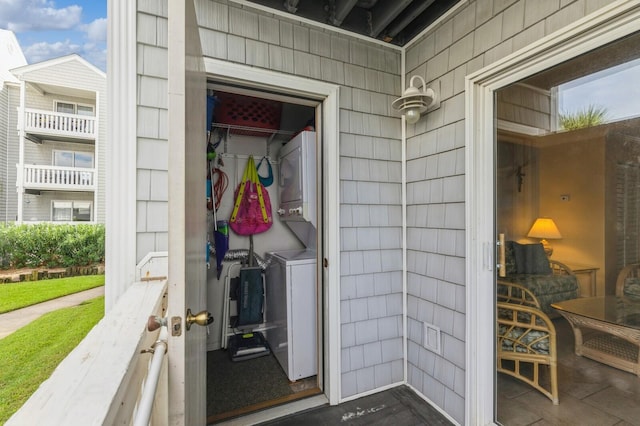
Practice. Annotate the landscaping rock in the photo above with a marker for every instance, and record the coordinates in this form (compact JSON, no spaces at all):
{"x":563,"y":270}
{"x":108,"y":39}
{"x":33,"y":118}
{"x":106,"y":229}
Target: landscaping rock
{"x":26,"y":274}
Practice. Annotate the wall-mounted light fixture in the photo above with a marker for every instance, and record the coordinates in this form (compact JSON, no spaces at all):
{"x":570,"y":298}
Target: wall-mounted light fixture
{"x":414,"y":101}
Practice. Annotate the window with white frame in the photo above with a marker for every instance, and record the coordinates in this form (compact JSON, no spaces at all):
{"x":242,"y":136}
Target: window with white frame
{"x":84,"y":110}
{"x":71,"y":211}
{"x":73,"y":159}
{"x":600,"y":97}
{"x":65,"y":107}
{"x":74,"y":108}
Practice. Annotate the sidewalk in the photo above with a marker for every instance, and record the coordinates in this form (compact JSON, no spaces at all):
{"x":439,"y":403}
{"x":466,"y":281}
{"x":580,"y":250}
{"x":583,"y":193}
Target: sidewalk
{"x":11,"y":321}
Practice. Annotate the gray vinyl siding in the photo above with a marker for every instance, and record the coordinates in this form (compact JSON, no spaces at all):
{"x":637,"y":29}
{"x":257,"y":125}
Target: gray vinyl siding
{"x":4,"y":99}
{"x":478,"y":34}
{"x":370,"y":161}
{"x":42,"y":154}
{"x":38,"y":207}
{"x":152,"y":145}
{"x":47,"y":102}
{"x":72,"y":74}
{"x":524,"y":105}
{"x":9,"y":95}
{"x":474,"y":36}
{"x":370,"y":171}
{"x":76,"y":75}
{"x":13,"y":144}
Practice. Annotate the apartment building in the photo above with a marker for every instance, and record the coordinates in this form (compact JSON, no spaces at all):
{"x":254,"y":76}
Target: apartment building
{"x":52,"y":139}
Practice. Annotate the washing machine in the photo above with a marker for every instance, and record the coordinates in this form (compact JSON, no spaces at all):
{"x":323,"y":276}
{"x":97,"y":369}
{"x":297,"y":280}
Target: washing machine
{"x":291,"y":298}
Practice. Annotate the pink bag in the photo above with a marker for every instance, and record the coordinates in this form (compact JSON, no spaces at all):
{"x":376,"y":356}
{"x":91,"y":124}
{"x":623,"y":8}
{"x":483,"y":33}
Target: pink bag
{"x":252,"y":208}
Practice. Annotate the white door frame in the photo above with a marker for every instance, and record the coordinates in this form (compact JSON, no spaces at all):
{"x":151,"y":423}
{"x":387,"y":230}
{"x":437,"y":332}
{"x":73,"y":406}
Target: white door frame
{"x":328,"y":95}
{"x":604,"y":26}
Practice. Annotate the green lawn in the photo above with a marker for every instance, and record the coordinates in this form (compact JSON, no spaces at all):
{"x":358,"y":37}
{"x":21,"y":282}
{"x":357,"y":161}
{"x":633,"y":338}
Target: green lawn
{"x":18,"y":295}
{"x":30,"y":354}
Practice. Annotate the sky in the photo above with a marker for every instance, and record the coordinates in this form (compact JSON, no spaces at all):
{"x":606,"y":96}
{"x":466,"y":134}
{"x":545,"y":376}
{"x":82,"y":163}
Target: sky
{"x":49,"y":29}
{"x":52,"y":28}
{"x":615,"y":89}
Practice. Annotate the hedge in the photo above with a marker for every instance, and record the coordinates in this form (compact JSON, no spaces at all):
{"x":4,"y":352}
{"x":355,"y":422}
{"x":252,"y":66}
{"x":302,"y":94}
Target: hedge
{"x":51,"y":245}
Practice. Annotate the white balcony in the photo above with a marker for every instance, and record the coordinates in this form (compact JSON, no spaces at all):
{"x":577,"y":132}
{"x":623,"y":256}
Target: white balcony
{"x":50,"y":178}
{"x":41,"y":124}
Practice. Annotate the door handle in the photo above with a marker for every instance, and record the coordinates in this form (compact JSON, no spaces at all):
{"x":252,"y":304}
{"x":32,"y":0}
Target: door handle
{"x":202,"y":318}
{"x":502,"y":262}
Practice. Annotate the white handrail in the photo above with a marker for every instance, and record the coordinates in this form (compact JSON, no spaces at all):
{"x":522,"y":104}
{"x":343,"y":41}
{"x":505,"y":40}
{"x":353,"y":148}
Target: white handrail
{"x":100,"y":381}
{"x":59,"y":123}
{"x":43,"y":176}
{"x":145,"y":405}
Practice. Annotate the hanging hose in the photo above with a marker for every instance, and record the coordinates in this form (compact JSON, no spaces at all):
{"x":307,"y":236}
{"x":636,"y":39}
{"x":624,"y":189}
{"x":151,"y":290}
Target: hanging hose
{"x":221,"y":182}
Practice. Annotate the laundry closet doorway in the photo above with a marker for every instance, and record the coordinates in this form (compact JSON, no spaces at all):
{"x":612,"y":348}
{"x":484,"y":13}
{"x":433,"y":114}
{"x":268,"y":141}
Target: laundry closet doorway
{"x":309,"y":107}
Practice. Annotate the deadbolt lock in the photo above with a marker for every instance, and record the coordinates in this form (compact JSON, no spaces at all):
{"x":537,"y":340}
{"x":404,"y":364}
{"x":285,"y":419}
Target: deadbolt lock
{"x":176,"y":326}
{"x":202,"y":318}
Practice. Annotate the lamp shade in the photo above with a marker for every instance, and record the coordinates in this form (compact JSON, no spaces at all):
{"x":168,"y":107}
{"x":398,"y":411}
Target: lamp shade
{"x":544,"y":227}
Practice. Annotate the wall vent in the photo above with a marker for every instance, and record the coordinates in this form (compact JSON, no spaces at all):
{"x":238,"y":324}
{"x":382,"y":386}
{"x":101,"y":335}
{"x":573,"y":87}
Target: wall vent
{"x":431,"y":338}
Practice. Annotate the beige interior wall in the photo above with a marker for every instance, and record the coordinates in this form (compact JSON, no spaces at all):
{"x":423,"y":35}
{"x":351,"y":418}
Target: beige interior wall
{"x":576,"y":169}
{"x":517,"y":200}
{"x":517,"y":184}
{"x":476,"y":35}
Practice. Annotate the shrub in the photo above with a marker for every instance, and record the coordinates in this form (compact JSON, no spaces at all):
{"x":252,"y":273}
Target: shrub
{"x":51,"y":245}
{"x":590,"y":116}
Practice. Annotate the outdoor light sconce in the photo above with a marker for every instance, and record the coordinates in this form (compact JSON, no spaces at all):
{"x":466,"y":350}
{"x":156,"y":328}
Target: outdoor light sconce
{"x":414,"y":102}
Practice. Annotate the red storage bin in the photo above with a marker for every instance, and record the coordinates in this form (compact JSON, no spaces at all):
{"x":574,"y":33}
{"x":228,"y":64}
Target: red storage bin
{"x":247,"y":111}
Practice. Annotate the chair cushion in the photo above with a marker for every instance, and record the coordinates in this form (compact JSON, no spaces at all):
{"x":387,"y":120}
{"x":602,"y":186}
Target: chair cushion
{"x":522,"y":339}
{"x":632,"y":287}
{"x":510,"y":258}
{"x":548,"y":289}
{"x":531,"y":259}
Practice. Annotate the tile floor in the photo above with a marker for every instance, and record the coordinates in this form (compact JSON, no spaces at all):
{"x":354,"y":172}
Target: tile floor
{"x":591,"y":393}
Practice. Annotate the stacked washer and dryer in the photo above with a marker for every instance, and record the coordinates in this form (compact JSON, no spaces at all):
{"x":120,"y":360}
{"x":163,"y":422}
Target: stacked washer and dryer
{"x":291,"y":292}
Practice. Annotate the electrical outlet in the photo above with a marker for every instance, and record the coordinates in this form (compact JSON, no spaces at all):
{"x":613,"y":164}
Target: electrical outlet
{"x":565,"y":197}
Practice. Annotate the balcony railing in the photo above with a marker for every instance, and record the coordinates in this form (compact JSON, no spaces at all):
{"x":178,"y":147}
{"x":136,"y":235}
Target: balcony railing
{"x":101,"y":381}
{"x":60,"y":178}
{"x":43,"y":123}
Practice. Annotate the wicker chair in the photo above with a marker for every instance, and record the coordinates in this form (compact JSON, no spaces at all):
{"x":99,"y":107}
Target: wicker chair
{"x":525,"y":337}
{"x":555,"y":283}
{"x":628,"y":282}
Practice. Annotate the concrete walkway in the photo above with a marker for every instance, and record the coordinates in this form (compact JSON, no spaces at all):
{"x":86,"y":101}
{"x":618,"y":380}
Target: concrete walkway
{"x":11,"y":321}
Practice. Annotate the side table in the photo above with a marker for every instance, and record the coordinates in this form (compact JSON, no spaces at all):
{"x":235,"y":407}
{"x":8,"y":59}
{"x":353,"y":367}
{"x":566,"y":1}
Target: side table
{"x":584,"y":273}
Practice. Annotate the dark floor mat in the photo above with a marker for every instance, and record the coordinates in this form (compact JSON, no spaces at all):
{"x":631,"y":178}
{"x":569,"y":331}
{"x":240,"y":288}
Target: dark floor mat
{"x":396,"y":406}
{"x":235,"y":385}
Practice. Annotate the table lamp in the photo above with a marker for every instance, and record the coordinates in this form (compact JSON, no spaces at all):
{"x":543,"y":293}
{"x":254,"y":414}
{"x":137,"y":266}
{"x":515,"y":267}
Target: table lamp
{"x":545,"y":228}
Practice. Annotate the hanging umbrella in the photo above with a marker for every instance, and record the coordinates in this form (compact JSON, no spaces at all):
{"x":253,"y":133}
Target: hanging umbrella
{"x":221,"y":240}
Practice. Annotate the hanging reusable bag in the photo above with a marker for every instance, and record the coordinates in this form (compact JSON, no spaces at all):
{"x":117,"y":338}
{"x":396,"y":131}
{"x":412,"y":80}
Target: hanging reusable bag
{"x":252,"y":208}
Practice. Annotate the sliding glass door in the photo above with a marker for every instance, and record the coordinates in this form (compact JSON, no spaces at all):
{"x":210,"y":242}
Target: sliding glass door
{"x":567,"y":173}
